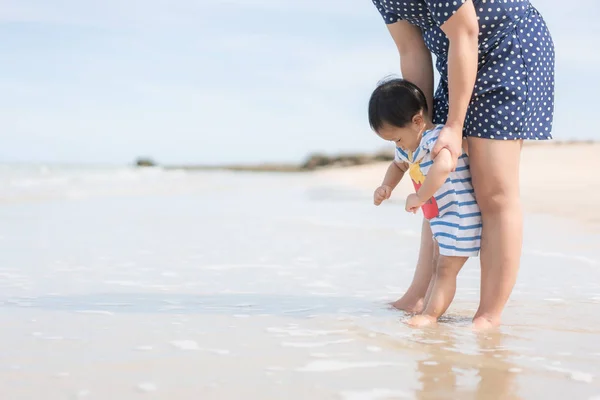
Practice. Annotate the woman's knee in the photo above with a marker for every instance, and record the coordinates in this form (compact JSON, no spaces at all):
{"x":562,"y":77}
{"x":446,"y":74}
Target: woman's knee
{"x":496,"y":199}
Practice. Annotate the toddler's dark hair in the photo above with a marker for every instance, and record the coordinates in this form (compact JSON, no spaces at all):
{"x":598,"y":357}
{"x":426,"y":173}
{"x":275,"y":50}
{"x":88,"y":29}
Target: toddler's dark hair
{"x":395,"y":102}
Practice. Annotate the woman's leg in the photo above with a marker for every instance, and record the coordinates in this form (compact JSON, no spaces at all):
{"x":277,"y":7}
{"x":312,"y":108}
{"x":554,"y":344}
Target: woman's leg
{"x":495,"y":171}
{"x":413,"y":299}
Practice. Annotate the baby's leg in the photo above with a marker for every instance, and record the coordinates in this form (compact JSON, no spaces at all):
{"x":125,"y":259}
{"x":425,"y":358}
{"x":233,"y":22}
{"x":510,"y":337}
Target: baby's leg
{"x":436,"y":256}
{"x":443,"y":291}
{"x":413,"y":299}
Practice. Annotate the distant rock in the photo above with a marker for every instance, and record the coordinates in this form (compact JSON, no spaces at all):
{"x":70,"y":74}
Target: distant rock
{"x":315,"y":161}
{"x":386,"y":155}
{"x":145,"y":162}
{"x":319,"y":160}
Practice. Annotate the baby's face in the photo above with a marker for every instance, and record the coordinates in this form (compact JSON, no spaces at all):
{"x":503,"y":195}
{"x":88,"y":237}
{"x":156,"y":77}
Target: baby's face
{"x":407,"y":138}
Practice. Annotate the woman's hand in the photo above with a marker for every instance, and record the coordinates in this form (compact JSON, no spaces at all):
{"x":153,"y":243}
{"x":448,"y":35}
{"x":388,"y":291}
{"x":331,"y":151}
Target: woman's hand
{"x":450,"y":138}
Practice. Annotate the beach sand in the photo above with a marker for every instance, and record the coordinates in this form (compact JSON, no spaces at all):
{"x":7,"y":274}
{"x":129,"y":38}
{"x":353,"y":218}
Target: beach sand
{"x":556,"y":179}
{"x":122,"y":283}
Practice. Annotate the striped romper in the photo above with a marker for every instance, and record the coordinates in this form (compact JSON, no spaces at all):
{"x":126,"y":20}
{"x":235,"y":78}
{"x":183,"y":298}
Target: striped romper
{"x":452,"y":212}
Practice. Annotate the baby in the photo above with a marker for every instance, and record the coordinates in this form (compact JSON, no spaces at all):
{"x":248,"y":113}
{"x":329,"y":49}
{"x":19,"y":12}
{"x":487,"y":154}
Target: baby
{"x":398,"y":113}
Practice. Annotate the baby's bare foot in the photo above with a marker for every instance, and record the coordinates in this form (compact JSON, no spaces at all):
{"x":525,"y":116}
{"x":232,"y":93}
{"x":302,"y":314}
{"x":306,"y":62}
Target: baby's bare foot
{"x":409,"y":305}
{"x":482,"y":324}
{"x":421,"y":321}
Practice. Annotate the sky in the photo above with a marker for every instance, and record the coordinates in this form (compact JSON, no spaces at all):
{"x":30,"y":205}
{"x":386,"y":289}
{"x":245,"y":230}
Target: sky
{"x":224,"y":81}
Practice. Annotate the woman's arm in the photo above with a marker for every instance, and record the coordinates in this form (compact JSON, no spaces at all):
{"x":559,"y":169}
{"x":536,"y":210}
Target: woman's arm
{"x":415,"y":59}
{"x":462,"y":30}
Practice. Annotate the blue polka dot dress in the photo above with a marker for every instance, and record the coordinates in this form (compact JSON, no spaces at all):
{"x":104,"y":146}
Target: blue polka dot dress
{"x":514,"y":92}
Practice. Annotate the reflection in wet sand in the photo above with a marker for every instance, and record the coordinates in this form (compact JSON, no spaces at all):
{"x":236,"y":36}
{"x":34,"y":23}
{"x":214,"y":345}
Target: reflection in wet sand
{"x":497,"y":374}
{"x":464,"y":365}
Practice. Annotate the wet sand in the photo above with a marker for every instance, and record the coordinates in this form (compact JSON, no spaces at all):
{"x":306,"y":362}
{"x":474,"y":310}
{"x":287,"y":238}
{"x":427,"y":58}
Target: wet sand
{"x":170,"y":285}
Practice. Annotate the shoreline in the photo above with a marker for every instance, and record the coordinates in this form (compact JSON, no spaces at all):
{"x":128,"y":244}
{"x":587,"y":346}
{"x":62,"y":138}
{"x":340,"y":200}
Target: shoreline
{"x":557,"y":177}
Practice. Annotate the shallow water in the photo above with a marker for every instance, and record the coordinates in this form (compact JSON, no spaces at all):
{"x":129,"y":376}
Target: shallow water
{"x":118,"y":283}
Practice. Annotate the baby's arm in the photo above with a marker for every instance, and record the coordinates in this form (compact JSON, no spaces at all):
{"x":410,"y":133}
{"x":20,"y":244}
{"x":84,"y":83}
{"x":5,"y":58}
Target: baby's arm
{"x":393,"y":176}
{"x":436,"y":176}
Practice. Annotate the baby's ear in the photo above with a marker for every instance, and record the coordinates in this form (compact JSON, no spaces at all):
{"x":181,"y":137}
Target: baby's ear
{"x":418,"y":119}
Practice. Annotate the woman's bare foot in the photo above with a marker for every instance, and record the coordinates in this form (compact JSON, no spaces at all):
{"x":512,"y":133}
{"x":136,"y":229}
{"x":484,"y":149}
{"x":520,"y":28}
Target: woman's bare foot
{"x":421,"y":321}
{"x":409,"y":304}
{"x":481,"y":324}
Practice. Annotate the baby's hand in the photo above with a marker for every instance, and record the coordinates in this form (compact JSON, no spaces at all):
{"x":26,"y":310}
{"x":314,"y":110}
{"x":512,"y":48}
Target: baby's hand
{"x":382,"y":193}
{"x":413,"y":203}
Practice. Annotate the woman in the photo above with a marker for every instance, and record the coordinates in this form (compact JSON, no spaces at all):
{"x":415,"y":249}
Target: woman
{"x":496,"y":62}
